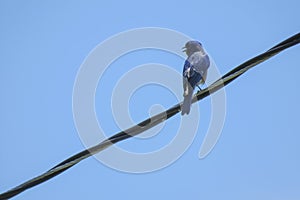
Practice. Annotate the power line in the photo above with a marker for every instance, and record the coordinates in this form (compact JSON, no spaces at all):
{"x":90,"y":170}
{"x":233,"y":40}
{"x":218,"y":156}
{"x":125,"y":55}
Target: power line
{"x":152,"y":121}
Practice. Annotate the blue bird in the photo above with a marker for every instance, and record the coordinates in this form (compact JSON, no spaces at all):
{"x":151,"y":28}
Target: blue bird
{"x":194,"y":72}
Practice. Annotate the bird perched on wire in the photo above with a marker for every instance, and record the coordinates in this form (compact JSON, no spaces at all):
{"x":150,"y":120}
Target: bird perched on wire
{"x":194,"y":72}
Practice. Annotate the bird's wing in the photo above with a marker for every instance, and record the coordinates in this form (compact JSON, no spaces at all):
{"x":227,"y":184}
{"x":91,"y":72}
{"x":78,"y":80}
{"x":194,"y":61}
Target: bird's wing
{"x":186,"y":68}
{"x":199,"y":62}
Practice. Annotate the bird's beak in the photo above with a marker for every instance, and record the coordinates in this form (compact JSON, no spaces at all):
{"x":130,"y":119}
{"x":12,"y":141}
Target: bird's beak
{"x":183,"y":49}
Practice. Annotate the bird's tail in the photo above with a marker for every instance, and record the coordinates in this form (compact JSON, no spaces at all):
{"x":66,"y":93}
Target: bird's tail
{"x":186,"y":105}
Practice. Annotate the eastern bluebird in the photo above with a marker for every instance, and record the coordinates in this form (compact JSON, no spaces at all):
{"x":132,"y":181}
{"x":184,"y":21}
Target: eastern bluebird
{"x":194,"y":72}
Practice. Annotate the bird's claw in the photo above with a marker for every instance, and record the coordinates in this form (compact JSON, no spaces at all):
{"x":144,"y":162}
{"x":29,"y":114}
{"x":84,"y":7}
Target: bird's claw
{"x":199,"y":88}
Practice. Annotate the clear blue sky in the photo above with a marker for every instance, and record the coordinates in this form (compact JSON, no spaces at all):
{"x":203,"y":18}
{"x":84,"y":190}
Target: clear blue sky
{"x":43,"y":44}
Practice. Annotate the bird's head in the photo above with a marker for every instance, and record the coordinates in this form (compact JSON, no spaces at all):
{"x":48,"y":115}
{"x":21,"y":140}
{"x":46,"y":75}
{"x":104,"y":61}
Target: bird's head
{"x":192,"y":47}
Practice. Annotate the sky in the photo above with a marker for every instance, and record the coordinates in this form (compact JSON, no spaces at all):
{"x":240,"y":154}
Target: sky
{"x":43,"y":47}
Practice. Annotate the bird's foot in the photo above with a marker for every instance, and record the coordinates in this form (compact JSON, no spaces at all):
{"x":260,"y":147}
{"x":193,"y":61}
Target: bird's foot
{"x":199,"y":88}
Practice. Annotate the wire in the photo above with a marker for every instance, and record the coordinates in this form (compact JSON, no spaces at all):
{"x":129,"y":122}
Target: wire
{"x":152,"y":121}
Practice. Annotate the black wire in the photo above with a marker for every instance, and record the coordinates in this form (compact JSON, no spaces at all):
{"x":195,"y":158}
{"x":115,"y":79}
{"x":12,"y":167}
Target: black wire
{"x":152,"y":121}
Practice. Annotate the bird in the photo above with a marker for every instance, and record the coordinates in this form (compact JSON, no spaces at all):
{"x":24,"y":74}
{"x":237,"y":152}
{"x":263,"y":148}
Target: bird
{"x":194,"y":72}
